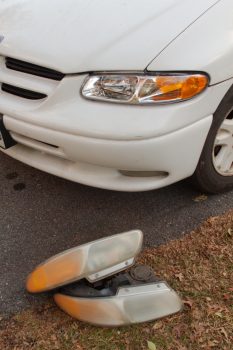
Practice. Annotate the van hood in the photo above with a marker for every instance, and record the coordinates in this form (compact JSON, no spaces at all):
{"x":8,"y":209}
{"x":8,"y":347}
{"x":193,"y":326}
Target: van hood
{"x":89,"y":35}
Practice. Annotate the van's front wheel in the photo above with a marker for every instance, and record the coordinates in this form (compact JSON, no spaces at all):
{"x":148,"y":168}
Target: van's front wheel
{"x":214,"y":172}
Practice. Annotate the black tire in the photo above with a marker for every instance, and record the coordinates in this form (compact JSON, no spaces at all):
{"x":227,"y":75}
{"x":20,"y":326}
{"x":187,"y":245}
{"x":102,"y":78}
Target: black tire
{"x":206,"y":178}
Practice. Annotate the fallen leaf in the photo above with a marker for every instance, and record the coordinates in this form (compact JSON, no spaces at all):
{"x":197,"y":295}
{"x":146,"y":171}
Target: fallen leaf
{"x":151,"y":346}
{"x":179,"y":276}
{"x":188,"y":303}
{"x":227,"y":297}
{"x":223,"y":331}
{"x":200,"y":198}
{"x":146,"y":330}
{"x":230,"y":232}
{"x":78,"y":347}
{"x":178,"y":330}
{"x":213,"y":343}
{"x":157,"y":325}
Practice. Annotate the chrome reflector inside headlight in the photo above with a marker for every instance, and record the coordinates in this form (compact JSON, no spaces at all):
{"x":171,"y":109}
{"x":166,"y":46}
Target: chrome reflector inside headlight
{"x":144,"y":89}
{"x":93,"y":261}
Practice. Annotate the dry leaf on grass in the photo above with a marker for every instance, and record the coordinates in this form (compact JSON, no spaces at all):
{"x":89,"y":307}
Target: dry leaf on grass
{"x":200,"y":198}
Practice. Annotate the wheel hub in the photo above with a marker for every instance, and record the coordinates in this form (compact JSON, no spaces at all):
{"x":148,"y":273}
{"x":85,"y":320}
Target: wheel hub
{"x":223,"y":149}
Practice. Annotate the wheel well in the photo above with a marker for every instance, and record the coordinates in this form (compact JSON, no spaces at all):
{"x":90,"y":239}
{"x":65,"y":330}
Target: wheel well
{"x":228,"y":98}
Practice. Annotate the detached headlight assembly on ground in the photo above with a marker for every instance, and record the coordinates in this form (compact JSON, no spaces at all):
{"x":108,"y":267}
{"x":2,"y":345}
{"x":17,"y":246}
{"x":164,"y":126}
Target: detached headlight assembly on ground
{"x":144,"y":89}
{"x":130,"y":297}
{"x":93,"y":261}
{"x":97,"y":283}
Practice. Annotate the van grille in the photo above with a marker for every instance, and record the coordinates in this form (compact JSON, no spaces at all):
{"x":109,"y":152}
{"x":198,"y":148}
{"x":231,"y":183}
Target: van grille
{"x":30,"y":95}
{"x":29,"y":68}
{"x":27,"y":80}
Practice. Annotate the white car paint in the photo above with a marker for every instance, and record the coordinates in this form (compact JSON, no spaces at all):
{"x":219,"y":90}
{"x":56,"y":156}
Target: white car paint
{"x":85,"y":35}
{"x":96,"y":141}
{"x":205,"y":46}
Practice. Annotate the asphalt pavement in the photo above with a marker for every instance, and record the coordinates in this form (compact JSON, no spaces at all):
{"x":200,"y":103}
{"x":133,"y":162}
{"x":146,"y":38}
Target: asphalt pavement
{"x":41,"y":215}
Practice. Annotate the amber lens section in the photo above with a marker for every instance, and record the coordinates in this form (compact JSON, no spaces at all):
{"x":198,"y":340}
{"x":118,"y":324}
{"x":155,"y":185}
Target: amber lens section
{"x":98,"y":311}
{"x":37,"y":281}
{"x":69,"y":305}
{"x":193,"y":86}
{"x":54,"y":273}
{"x":180,"y":87}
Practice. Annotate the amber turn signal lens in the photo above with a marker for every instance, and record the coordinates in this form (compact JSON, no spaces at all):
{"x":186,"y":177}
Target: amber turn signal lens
{"x":53,"y":273}
{"x":180,"y":87}
{"x":37,"y":280}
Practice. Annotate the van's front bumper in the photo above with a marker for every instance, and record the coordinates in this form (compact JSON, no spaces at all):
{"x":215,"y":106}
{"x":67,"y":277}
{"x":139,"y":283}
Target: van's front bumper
{"x":102,"y":163}
{"x":118,"y":147}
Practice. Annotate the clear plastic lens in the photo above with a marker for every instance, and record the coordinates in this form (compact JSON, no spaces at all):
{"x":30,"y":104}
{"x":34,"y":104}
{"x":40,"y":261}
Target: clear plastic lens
{"x":111,"y":87}
{"x":130,"y":305}
{"x":148,"y":88}
{"x":93,"y":261}
{"x":143,"y":89}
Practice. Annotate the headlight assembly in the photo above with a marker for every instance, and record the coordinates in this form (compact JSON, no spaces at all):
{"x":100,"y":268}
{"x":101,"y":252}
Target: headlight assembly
{"x":97,"y":283}
{"x":144,"y":89}
{"x":93,"y":261}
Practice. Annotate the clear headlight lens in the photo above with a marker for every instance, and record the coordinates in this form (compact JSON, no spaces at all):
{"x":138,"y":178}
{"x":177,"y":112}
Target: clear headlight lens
{"x":93,"y":261}
{"x":130,"y":305}
{"x":144,"y":89}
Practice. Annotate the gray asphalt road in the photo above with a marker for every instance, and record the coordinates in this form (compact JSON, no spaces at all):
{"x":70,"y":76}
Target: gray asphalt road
{"x":41,"y":215}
